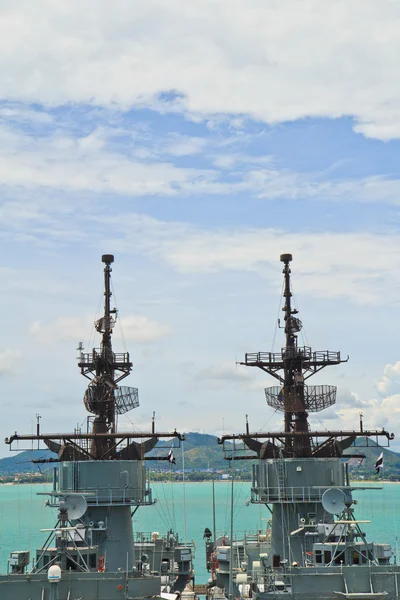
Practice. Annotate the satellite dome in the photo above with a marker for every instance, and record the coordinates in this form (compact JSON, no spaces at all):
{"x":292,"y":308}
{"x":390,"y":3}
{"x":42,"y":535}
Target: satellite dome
{"x":54,"y":574}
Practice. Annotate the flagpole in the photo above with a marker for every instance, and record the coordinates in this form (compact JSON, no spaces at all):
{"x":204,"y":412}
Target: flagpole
{"x":184,"y":494}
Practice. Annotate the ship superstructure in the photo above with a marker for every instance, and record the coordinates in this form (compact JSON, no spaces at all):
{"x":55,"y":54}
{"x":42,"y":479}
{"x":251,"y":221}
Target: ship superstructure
{"x":301,"y":476}
{"x":100,"y":480}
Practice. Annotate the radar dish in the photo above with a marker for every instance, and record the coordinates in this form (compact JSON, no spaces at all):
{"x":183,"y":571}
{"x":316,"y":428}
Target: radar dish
{"x":76,"y":506}
{"x":126,"y":398}
{"x":333,"y":501}
{"x":314,"y":397}
{"x":99,"y":395}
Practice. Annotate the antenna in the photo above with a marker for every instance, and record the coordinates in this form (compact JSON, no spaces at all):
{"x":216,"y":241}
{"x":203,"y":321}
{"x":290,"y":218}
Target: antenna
{"x":105,"y":369}
{"x":75,"y":505}
{"x":333,"y":501}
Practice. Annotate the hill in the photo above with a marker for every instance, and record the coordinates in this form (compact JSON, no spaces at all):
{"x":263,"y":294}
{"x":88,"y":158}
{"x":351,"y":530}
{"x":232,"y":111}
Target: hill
{"x":203,"y":453}
{"x":391,"y":461}
{"x":22,"y":462}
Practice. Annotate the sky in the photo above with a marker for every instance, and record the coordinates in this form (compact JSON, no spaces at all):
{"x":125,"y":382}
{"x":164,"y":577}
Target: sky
{"x":197,"y":141}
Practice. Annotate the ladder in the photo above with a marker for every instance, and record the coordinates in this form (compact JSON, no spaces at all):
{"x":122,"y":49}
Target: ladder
{"x":281,"y":477}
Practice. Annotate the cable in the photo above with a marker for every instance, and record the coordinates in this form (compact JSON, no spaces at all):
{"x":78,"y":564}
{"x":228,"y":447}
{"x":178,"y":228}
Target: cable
{"x":277,"y":318}
{"x":268,"y":420}
{"x":303,"y":331}
{"x":119,"y":320}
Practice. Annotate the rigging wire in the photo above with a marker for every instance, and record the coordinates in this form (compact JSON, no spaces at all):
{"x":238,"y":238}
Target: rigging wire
{"x":163,"y":516}
{"x":119,"y":321}
{"x":167,"y":510}
{"x":321,"y":423}
{"x":277,"y":318}
{"x":184,"y":494}
{"x":173,"y":500}
{"x":91,"y":339}
{"x":303,"y":334}
{"x":268,"y":420}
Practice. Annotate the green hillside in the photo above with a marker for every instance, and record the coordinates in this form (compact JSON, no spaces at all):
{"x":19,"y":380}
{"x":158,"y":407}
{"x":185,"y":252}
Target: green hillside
{"x":391,"y":461}
{"x":202,"y":453}
{"x":22,"y":462}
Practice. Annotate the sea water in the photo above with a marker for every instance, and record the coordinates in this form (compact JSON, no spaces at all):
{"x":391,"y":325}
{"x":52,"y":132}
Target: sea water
{"x":23,"y":513}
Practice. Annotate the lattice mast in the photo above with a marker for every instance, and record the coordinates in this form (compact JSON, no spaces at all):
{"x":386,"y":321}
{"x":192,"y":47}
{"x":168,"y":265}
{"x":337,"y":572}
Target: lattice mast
{"x":103,"y":397}
{"x":293,"y":387}
{"x":292,"y":367}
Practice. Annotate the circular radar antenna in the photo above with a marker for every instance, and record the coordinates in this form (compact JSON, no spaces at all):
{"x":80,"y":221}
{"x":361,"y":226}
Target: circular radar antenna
{"x":333,"y":501}
{"x":76,"y":506}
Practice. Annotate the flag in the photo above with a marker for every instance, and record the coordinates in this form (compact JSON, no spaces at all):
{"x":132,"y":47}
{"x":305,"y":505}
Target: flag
{"x":379,"y":463}
{"x":171,"y":458}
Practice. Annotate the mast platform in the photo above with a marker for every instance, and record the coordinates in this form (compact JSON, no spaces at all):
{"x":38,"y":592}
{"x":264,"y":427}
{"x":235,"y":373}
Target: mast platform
{"x":305,"y":353}
{"x":88,"y":361}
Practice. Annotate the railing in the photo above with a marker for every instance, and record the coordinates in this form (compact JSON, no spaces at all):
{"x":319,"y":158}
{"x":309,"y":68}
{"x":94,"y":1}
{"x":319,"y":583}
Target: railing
{"x":135,"y":495}
{"x":118,"y":497}
{"x":286,"y":495}
{"x":304,"y":352}
{"x":89,"y":358}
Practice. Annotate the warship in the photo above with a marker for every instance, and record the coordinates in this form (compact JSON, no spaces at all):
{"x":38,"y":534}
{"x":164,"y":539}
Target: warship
{"x":99,"y":482}
{"x":314,"y":547}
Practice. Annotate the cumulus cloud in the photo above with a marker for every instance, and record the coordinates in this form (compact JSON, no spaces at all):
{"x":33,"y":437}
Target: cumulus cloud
{"x":352,"y":265}
{"x":390,"y":379}
{"x":85,"y":163}
{"x":275,"y":61}
{"x":138,"y":328}
{"x":355,"y":266}
{"x":116,"y":160}
{"x":377,"y":413}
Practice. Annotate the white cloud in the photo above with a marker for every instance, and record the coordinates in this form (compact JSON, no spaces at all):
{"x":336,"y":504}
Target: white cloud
{"x":143,"y":166}
{"x":84,"y":164}
{"x":21,"y":115}
{"x":220,"y":375}
{"x":390,"y":379}
{"x":328,"y":264}
{"x":275,"y":61}
{"x":356,"y":266}
{"x":8,"y":361}
{"x":184,"y":145}
{"x":377,"y":413}
{"x":138,"y":328}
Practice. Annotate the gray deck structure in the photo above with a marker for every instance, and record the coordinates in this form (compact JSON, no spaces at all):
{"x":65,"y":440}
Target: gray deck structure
{"x":314,"y":547}
{"x":99,"y":479}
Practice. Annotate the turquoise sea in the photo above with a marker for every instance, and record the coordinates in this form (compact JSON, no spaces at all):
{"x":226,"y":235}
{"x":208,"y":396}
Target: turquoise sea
{"x":23,"y":514}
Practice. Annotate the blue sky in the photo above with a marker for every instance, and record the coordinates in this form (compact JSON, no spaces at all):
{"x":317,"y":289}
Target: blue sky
{"x":197,"y":142}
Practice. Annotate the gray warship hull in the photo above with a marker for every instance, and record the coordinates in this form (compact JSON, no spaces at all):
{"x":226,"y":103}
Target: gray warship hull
{"x":75,"y":586}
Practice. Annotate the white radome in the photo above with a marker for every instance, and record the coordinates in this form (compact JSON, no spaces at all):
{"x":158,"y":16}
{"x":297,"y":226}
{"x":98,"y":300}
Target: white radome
{"x":54,"y":574}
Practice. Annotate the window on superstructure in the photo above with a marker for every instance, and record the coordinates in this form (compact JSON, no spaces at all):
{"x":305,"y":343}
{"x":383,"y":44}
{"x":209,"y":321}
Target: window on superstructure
{"x":327,"y":556}
{"x":339,"y":558}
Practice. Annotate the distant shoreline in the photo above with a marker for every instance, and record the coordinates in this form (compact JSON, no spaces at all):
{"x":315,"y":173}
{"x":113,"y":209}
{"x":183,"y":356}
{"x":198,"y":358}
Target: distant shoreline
{"x":356,"y":483}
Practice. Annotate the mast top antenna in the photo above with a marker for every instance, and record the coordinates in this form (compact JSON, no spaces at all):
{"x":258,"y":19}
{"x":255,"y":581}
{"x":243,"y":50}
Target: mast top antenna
{"x":286,"y":258}
{"x":107,"y":258}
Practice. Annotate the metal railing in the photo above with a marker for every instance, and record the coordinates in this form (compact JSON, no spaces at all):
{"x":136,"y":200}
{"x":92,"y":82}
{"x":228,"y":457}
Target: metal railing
{"x":304,"y":352}
{"x":286,"y":495}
